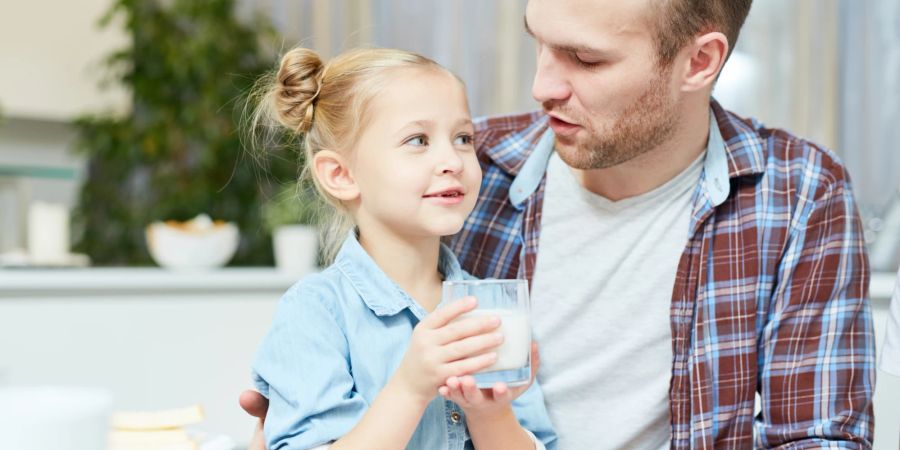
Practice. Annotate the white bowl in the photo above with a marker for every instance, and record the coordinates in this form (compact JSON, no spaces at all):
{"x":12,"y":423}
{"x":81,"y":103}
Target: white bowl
{"x":185,"y":248}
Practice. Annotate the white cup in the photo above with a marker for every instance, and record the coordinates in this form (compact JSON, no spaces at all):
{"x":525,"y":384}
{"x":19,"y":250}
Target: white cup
{"x":508,"y":300}
{"x":295,"y":249}
{"x":58,"y":418}
{"x":48,"y":233}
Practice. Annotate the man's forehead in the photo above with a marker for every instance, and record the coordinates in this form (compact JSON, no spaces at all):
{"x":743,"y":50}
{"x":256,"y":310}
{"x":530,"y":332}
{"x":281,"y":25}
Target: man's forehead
{"x":573,"y":21}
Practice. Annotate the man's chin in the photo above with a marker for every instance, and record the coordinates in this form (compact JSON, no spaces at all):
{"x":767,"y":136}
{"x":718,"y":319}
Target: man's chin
{"x":573,"y":154}
{"x":583,"y":156}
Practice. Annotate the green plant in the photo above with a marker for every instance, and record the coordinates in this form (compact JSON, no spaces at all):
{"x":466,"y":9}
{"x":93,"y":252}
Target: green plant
{"x":295,"y":203}
{"x":178,"y":152}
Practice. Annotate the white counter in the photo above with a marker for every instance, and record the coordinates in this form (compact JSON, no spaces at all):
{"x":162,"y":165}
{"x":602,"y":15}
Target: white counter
{"x":67,"y":282}
{"x":31,"y":282}
{"x":157,"y":339}
{"x":161,"y":339}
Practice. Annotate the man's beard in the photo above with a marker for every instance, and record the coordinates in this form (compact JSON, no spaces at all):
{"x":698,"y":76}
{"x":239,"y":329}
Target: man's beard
{"x":641,"y":127}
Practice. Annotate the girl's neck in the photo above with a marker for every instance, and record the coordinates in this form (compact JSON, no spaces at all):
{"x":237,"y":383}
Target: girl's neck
{"x":412,"y":263}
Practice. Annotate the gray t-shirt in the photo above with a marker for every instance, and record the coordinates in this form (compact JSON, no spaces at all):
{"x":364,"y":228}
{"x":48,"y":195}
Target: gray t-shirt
{"x":601,"y":296}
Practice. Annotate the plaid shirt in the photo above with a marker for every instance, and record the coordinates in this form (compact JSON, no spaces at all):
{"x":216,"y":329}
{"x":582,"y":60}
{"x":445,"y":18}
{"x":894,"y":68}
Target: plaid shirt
{"x":770,"y":295}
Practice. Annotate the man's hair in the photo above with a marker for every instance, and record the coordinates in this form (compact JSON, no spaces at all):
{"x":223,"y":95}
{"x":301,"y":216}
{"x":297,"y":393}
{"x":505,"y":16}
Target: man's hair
{"x":679,"y":21}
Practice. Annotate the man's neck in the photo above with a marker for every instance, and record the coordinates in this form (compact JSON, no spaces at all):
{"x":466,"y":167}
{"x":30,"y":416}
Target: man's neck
{"x":655,"y":167}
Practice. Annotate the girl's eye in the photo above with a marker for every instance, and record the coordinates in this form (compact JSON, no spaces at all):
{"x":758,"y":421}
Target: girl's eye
{"x":418,"y":140}
{"x":463,"y":139}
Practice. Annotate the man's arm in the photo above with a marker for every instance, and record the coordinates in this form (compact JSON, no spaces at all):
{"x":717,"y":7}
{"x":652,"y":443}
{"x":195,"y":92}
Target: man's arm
{"x":816,"y":351}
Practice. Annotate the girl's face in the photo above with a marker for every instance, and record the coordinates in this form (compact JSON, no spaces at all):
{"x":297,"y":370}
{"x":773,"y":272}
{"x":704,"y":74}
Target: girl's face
{"x":414,"y":165}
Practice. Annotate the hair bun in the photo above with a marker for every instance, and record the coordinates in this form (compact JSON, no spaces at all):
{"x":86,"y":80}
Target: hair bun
{"x":297,"y":85}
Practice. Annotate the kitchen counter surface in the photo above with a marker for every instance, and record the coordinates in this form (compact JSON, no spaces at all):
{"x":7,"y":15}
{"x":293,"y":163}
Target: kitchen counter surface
{"x":65,"y":282}
{"x":155,"y":280}
{"x":160,"y":339}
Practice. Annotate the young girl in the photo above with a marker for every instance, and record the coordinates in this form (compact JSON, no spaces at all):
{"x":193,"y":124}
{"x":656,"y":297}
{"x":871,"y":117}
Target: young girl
{"x":361,"y":355}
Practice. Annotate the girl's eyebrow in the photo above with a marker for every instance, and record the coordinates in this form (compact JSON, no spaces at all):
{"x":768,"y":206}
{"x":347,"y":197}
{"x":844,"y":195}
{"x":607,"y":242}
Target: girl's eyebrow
{"x":426,"y":124}
{"x":416,"y":124}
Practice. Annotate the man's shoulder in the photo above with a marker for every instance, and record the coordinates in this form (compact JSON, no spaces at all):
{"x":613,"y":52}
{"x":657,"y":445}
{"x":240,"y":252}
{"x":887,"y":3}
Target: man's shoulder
{"x":508,"y":123}
{"x":491,"y":131}
{"x":507,"y":140}
{"x":755,"y":148}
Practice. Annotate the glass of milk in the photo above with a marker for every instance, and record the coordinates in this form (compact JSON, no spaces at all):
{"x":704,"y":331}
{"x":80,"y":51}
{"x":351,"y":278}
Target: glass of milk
{"x":508,"y":300}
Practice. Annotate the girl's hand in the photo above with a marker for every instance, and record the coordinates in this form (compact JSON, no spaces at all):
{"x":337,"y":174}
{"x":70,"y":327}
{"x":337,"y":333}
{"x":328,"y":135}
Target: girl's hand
{"x":474,"y":401}
{"x":442,"y":347}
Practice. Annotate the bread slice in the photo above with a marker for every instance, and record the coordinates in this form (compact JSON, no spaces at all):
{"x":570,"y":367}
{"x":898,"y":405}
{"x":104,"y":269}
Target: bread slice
{"x":157,"y":420}
{"x":170,"y":436}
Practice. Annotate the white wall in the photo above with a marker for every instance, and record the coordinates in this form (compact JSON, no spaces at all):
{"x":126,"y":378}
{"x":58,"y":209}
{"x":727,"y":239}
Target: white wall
{"x":50,"y":53}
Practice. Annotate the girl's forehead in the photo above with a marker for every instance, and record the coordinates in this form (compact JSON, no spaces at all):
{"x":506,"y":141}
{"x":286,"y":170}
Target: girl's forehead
{"x":418,"y":92}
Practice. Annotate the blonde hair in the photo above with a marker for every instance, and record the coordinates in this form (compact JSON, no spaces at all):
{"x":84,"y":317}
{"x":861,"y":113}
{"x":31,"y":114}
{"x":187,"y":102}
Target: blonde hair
{"x":324,"y":106}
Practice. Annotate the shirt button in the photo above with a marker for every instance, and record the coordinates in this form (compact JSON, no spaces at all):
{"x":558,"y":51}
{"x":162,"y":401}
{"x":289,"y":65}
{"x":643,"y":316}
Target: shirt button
{"x":454,"y":417}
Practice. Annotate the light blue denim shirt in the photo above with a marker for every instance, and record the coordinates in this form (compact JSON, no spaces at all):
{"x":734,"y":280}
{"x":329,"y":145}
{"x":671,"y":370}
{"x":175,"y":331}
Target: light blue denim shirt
{"x":337,"y":338}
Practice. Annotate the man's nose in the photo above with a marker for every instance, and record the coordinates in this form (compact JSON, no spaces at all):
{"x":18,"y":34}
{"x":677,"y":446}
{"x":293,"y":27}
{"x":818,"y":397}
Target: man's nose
{"x":550,"y":81}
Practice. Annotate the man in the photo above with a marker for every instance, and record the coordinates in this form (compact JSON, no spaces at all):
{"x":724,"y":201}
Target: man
{"x":682,"y":260}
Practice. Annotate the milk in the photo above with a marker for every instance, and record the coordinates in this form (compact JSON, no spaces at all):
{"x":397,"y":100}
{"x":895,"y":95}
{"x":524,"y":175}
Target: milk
{"x":515,"y":325}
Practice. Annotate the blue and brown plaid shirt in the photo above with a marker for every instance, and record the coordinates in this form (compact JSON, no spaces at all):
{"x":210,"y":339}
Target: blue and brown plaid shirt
{"x":771,"y":292}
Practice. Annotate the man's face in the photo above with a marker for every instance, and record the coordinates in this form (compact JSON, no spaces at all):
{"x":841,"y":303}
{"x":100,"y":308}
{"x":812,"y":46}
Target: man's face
{"x":599,"y":79}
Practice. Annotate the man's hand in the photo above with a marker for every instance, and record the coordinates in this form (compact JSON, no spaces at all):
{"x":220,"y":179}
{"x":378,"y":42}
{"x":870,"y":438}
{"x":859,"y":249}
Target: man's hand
{"x":256,"y":405}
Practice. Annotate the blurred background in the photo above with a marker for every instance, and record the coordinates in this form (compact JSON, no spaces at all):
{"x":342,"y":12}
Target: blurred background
{"x":118,"y":116}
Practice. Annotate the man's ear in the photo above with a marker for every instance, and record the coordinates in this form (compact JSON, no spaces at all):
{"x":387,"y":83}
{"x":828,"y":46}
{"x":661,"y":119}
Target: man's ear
{"x":705,"y":59}
{"x":333,"y":174}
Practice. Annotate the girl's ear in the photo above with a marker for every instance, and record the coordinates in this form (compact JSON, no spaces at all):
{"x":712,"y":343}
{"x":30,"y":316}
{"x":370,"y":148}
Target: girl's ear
{"x":333,"y":173}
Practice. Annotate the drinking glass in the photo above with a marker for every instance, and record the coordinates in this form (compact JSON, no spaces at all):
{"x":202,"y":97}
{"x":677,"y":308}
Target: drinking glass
{"x":508,"y":300}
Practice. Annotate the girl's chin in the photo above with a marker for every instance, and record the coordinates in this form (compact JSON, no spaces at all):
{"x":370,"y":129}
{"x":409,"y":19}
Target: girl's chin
{"x":445,"y":229}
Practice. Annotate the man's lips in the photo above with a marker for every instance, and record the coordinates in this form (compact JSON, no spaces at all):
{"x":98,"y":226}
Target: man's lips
{"x":563,"y":127}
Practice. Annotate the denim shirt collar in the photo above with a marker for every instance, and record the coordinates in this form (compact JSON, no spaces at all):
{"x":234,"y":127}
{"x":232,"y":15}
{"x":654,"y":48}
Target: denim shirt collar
{"x":381,"y":294}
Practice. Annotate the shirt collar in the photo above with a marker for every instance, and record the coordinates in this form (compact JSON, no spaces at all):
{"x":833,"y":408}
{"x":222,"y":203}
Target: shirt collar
{"x":513,"y":149}
{"x":733,"y":150}
{"x":381,"y":294}
{"x":744,"y":147}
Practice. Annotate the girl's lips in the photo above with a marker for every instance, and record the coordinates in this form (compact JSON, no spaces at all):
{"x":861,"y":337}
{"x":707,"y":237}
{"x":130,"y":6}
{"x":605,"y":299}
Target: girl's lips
{"x":561,"y":127}
{"x":446,"y":200}
{"x":451,"y":196}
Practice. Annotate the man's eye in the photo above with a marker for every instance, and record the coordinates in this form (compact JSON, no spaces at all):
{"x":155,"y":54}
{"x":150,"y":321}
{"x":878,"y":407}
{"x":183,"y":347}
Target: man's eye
{"x":419,"y":140}
{"x":585,"y":62}
{"x":463,"y":139}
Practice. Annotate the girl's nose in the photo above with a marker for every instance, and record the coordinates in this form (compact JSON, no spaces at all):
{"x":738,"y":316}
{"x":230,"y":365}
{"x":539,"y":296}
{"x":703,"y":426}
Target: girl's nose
{"x":450,"y":162}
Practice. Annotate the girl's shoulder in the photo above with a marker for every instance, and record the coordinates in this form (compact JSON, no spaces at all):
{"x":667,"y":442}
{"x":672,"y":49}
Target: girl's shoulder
{"x":319,"y":292}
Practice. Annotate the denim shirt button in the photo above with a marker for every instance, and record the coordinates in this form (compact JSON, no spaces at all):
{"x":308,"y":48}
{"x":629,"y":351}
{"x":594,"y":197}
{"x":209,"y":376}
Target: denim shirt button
{"x":454,"y":417}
